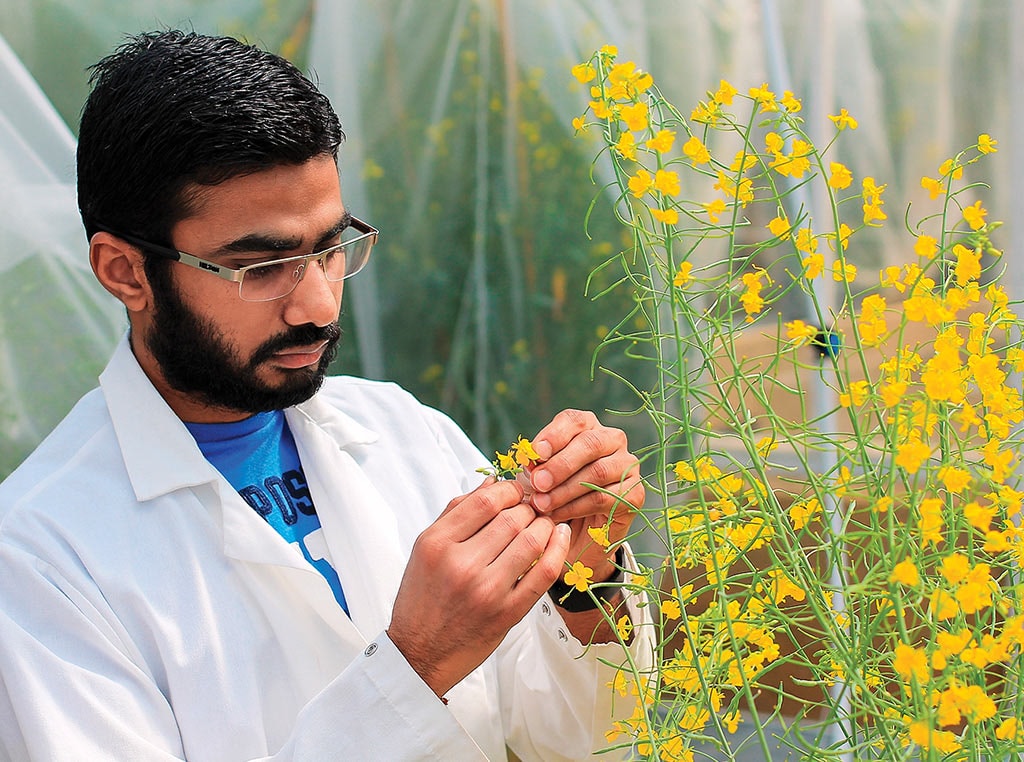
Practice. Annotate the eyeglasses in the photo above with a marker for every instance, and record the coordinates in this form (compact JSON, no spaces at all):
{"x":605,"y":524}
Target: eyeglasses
{"x":266,"y":281}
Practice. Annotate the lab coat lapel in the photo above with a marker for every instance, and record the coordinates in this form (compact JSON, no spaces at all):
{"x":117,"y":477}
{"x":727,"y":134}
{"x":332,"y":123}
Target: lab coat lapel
{"x":359,"y":526}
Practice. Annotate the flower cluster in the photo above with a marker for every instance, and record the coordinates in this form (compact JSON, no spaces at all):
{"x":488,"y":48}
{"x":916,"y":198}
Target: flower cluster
{"x":850,"y":568}
{"x":512,"y":462}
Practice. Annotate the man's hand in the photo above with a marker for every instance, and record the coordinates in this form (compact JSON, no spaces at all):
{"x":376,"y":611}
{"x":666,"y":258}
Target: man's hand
{"x":577,"y":450}
{"x":472,"y":575}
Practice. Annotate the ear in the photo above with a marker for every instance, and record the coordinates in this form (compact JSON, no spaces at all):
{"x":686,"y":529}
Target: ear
{"x":118,"y":267}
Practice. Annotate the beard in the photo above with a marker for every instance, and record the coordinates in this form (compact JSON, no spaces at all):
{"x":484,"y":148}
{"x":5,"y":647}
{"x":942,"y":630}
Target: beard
{"x":195,"y":360}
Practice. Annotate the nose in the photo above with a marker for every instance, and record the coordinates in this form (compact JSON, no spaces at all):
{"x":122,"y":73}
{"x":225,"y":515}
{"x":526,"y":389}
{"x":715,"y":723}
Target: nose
{"x":314,"y":299}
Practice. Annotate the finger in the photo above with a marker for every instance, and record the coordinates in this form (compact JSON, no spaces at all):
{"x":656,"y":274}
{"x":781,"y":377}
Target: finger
{"x":563,"y":427}
{"x":472,"y":512}
{"x":542,"y":572}
{"x":456,"y":500}
{"x":564,"y":478}
{"x":584,"y":448}
{"x":496,"y":535}
{"x":614,"y":504}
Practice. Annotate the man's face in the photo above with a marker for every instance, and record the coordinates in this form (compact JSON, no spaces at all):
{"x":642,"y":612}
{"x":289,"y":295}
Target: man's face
{"x":215,"y":357}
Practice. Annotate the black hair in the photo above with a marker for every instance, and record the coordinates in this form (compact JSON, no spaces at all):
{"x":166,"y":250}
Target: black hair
{"x":170,"y":110}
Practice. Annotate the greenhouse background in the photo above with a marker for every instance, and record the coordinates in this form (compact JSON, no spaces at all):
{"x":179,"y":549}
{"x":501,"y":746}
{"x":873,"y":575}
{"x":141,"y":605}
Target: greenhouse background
{"x":460,"y":149}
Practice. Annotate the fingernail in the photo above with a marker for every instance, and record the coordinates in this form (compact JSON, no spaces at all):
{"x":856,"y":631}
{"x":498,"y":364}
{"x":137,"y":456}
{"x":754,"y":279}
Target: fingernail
{"x":523,"y":480}
{"x":543,"y":448}
{"x":542,"y":481}
{"x":541,"y":501}
{"x":564,"y":530}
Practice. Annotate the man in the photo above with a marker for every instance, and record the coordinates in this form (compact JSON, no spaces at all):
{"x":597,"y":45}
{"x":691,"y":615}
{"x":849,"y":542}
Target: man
{"x":217,"y":556}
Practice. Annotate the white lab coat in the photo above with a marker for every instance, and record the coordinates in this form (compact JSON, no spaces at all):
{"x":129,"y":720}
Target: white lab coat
{"x":148,"y":613}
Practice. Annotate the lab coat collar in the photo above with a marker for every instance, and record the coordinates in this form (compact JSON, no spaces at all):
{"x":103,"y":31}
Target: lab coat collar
{"x":151,"y":436}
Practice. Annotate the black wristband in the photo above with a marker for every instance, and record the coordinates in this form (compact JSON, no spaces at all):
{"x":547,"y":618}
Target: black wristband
{"x":569,"y":598}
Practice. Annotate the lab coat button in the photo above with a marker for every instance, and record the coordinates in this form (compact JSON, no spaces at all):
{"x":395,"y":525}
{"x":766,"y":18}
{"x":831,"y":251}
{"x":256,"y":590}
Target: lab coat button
{"x":546,"y":609}
{"x":370,"y":649}
{"x":562,"y":636}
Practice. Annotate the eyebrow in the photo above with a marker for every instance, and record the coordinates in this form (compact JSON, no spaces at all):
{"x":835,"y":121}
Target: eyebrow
{"x":255,"y":243}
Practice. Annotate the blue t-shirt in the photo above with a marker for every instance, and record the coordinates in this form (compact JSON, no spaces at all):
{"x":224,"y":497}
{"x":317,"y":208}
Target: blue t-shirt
{"x":259,"y":459}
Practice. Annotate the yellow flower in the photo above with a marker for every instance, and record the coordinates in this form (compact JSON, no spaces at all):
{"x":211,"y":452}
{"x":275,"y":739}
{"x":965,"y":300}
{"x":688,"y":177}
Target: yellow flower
{"x":802,"y":513}
{"x":912,"y":454}
{"x":523,"y":452}
{"x":955,"y":479}
{"x":634,"y":115}
{"x":667,"y":216}
{"x":774,"y":143}
{"x":800,"y":332}
{"x":684,"y":471}
{"x":910,"y":663}
{"x":626,"y":147}
{"x":696,"y":150}
{"x":579,"y":123}
{"x":979,"y":516}
{"x":975,"y":215}
{"x":765,"y":446}
{"x":844,"y":271}
{"x":1007,"y":729}
{"x":662,"y":142}
{"x":624,"y":627}
{"x":841,"y":177}
{"x":930,"y":521}
{"x":743,"y":192}
{"x":683,"y":276}
{"x":714,"y":209}
{"x":506,"y":461}
{"x":857,"y":395}
{"x":667,"y":182}
{"x":725,"y":92}
{"x":843,"y":120}
{"x":921,"y":733}
{"x":584,"y":72}
{"x":764,"y":96}
{"x":892,"y":392}
{"x":952,"y":168}
{"x":670,"y":609}
{"x":986,"y":144}
{"x":933,"y":186}
{"x":806,"y":241}
{"x":942,"y":605}
{"x":813,"y":264}
{"x":905,"y":572}
{"x":640,"y":183}
{"x":845,"y":231}
{"x":599,"y":535}
{"x":889,"y":277}
{"x":790,"y":102}
{"x":780,"y":587}
{"x":926,"y":246}
{"x":751,"y":298}
{"x":625,"y":81}
{"x":779,"y":227}
{"x":579,"y":576}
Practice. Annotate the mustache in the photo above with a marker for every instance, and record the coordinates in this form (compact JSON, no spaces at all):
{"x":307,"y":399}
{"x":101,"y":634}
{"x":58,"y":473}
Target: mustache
{"x":299,"y":336}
